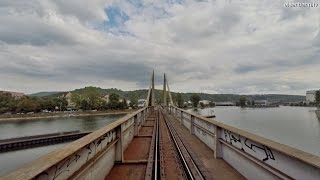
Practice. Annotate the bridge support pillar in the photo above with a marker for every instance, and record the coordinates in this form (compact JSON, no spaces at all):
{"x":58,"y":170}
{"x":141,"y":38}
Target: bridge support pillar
{"x":119,"y":145}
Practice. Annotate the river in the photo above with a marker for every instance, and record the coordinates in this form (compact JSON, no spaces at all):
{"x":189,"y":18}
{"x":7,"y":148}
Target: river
{"x":53,"y":125}
{"x":10,"y":161}
{"x":296,"y":127}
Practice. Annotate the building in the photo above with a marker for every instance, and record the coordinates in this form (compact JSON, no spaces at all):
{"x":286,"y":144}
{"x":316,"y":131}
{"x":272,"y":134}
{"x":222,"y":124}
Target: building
{"x":106,"y":98}
{"x":261,"y":103}
{"x":205,"y":102}
{"x":71,"y":104}
{"x":311,"y":96}
{"x":16,"y":95}
{"x":187,"y":104}
{"x":141,"y":102}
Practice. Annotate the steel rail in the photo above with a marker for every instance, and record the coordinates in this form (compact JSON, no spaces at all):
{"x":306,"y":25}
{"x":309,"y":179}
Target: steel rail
{"x":156,"y":156}
{"x":186,"y":166}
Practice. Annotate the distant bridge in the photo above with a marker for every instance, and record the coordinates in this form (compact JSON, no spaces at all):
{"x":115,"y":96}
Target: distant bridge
{"x":166,"y":142}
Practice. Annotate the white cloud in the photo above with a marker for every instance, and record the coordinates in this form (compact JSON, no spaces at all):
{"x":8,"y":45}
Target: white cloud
{"x":209,"y":46}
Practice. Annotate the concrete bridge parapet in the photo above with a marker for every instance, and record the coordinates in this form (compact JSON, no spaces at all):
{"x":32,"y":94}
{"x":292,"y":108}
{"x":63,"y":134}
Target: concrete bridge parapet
{"x":90,"y":157}
{"x":253,"y":156}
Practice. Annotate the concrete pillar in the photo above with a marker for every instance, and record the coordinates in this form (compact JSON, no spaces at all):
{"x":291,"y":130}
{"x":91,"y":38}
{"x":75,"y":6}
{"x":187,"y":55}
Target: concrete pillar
{"x":217,"y":144}
{"x":119,"y":147}
{"x":181,"y":118}
{"x":192,"y":125}
{"x":136,"y":125}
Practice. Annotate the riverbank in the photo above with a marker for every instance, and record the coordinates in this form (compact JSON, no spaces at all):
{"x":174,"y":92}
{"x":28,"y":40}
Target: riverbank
{"x":22,"y":117}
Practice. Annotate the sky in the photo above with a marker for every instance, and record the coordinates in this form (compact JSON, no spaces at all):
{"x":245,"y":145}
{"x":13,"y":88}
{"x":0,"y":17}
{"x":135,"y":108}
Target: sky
{"x":209,"y":46}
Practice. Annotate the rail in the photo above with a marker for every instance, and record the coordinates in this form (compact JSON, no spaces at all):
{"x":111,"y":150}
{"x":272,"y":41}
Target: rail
{"x":90,"y":157}
{"x":191,"y":169}
{"x":252,"y":155}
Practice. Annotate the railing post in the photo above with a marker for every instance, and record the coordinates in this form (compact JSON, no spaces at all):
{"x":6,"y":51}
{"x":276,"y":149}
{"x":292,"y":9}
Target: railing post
{"x":217,"y":144}
{"x":192,"y":124}
{"x":181,"y":119}
{"x":136,"y":125}
{"x":119,"y":146}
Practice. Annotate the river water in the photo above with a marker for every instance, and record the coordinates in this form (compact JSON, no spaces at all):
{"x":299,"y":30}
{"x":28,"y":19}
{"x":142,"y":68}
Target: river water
{"x":296,"y":127}
{"x":54,"y":125}
{"x":10,"y":161}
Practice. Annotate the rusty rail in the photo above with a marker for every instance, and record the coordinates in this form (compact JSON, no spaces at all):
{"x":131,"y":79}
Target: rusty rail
{"x":191,"y":169}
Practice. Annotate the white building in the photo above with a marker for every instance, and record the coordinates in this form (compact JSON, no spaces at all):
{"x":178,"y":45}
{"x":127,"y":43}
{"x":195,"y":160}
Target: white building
{"x":106,"y":98}
{"x":205,"y":102}
{"x":311,"y":96}
{"x":261,"y":103}
{"x":141,"y":102}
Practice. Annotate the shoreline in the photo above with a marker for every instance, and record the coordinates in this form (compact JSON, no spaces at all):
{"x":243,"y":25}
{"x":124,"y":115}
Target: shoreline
{"x":66,"y":115}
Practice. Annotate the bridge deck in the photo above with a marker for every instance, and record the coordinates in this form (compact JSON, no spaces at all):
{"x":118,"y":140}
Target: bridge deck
{"x":203,"y":156}
{"x":136,"y":155}
{"x":135,"y":161}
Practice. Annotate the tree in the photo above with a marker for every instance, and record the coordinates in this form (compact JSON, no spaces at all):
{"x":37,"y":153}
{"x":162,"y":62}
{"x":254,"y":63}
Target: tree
{"x":27,"y":104}
{"x":123,"y":104}
{"x":76,"y":99}
{"x":61,"y":103}
{"x":114,"y":101}
{"x":85,"y":105}
{"x":242,"y":101}
{"x":211,"y":104}
{"x":6,"y":102}
{"x":195,"y":98}
{"x":133,"y":101}
{"x":179,"y":100}
{"x":318,"y":98}
{"x":47,"y":103}
{"x":92,"y":96}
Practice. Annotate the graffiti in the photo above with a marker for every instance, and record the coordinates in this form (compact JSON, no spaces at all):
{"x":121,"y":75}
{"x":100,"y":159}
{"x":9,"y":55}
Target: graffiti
{"x":267,"y":150}
{"x":83,"y":155}
{"x":63,"y":167}
{"x":246,"y":144}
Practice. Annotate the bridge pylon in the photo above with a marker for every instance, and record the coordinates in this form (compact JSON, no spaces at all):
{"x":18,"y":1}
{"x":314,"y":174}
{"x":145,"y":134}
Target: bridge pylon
{"x":150,"y":101}
{"x":166,"y":92}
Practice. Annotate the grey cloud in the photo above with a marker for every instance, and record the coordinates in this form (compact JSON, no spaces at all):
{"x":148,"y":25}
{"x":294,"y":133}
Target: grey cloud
{"x":223,"y":48}
{"x":248,"y":68}
{"x":28,"y":29}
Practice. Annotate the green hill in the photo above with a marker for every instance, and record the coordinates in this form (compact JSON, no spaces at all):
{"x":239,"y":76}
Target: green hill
{"x":43,"y":94}
{"x":142,"y":94}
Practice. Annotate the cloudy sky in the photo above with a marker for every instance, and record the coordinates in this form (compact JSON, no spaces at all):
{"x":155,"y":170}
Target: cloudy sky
{"x":213,"y":46}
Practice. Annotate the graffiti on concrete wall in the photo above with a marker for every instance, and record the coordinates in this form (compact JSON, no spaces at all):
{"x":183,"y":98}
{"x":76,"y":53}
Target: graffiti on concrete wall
{"x":246,"y":145}
{"x":75,"y":161}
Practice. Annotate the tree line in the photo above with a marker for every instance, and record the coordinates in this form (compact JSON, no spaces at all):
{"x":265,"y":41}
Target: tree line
{"x":25,"y":104}
{"x":89,"y":99}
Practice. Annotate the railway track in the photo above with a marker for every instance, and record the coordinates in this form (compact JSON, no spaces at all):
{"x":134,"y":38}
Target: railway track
{"x":166,"y":158}
{"x":172,"y":160}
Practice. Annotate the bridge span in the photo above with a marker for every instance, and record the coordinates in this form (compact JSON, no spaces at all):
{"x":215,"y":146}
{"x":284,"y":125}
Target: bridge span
{"x":166,"y":142}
